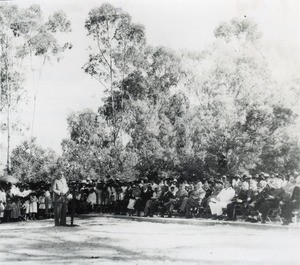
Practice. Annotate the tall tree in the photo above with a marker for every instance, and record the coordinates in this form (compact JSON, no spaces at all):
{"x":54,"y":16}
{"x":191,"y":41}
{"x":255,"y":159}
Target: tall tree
{"x":25,"y":33}
{"x":238,"y":107}
{"x":118,"y":42}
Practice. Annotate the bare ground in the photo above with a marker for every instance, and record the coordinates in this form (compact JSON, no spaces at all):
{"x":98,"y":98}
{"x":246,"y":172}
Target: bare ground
{"x":100,"y":240}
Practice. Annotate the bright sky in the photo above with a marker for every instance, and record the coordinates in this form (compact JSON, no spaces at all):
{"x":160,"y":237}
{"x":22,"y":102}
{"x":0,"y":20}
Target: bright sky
{"x":179,"y":24}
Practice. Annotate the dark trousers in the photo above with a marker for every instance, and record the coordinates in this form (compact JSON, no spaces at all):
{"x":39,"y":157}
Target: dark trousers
{"x":265,"y":206}
{"x":60,"y":213}
{"x":150,"y":207}
{"x":288,"y":208}
{"x":139,"y":206}
{"x":191,"y":203}
{"x":231,"y":207}
{"x":169,"y":206}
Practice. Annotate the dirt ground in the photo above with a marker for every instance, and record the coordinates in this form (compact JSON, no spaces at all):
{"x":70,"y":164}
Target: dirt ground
{"x":100,"y":240}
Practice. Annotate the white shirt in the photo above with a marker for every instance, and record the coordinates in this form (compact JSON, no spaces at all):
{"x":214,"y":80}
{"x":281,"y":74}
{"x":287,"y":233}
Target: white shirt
{"x":60,"y":186}
{"x":226,"y":194}
{"x":92,"y":198}
{"x":2,"y":196}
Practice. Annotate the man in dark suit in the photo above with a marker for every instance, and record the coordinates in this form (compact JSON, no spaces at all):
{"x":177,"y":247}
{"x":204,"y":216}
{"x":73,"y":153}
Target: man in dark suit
{"x":239,"y":201}
{"x":274,"y":196}
{"x":292,"y":204}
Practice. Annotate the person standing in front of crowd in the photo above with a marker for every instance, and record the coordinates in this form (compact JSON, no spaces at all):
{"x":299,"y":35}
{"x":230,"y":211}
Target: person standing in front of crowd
{"x":60,"y":189}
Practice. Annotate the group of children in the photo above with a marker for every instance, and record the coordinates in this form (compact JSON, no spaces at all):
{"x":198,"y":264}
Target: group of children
{"x":30,"y":205}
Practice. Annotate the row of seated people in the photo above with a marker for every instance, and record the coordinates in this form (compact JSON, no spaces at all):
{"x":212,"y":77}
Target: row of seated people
{"x":221,"y":199}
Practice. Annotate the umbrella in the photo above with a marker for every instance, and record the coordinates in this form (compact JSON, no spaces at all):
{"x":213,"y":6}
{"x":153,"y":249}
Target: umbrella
{"x":9,"y":178}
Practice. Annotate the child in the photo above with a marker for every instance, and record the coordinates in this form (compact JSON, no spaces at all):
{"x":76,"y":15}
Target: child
{"x":42,"y":205}
{"x":15,"y":209}
{"x":33,"y":206}
{"x":7,"y":210}
{"x":1,"y":211}
{"x":25,"y":209}
{"x":92,"y":199}
{"x":131,"y":205}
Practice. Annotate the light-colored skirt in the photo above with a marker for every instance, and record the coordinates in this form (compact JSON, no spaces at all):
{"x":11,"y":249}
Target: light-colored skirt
{"x":33,"y":207}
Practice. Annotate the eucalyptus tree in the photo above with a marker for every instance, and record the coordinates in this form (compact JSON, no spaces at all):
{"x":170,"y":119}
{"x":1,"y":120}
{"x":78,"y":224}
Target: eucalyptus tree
{"x":117,"y":47}
{"x":24,"y":33}
{"x":33,"y":163}
{"x":239,"y":111}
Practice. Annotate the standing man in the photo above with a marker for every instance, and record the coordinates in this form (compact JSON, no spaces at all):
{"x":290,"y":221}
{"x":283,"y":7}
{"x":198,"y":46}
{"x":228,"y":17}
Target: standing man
{"x":60,"y":189}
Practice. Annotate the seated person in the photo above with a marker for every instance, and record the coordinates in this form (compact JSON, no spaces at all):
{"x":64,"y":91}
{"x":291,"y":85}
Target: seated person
{"x":177,"y":200}
{"x":293,"y":204}
{"x":145,"y":195}
{"x":240,"y":200}
{"x":221,"y":201}
{"x":217,"y":187}
{"x":207,"y":186}
{"x":257,"y":198}
{"x":274,"y":197}
{"x":167,"y":195}
{"x":193,"y":200}
{"x":135,"y":198}
{"x":152,"y":203}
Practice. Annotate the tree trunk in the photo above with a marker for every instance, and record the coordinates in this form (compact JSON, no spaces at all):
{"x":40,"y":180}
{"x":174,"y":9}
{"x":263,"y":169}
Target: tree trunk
{"x":8,"y":166}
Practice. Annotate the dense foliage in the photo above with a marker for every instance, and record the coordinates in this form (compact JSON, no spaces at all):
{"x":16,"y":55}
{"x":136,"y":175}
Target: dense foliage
{"x":33,"y":163}
{"x":219,"y":111}
{"x":222,"y":110}
{"x":24,"y":33}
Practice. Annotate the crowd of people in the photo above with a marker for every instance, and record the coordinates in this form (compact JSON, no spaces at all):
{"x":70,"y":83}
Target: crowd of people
{"x":258,"y":198}
{"x":20,"y":203}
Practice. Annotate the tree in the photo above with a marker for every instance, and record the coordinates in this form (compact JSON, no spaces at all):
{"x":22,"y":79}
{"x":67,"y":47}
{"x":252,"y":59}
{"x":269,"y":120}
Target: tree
{"x":194,"y":115}
{"x":24,"y":33}
{"x":32,"y":163}
{"x":238,"y":105}
{"x":91,"y":151}
{"x":118,"y":42}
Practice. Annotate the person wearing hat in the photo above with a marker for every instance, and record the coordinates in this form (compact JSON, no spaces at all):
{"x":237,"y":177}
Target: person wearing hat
{"x":165,"y":200}
{"x":60,"y":189}
{"x":236,"y":182}
{"x":222,"y":200}
{"x":207,"y":186}
{"x":193,"y":200}
{"x":246,"y":178}
{"x":239,"y":202}
{"x":177,"y":200}
{"x":274,"y":197}
{"x":146,"y":194}
{"x":217,"y":187}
